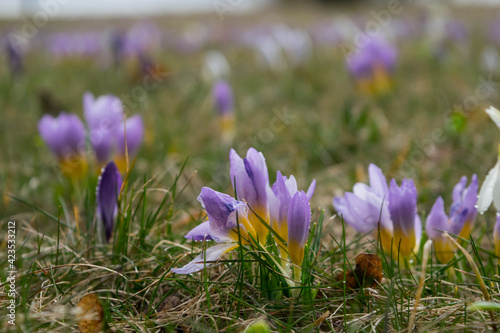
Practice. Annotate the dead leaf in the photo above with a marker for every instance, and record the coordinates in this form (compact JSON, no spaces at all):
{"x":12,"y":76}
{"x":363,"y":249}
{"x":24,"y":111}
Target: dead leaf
{"x":90,"y":314}
{"x":367,"y":273}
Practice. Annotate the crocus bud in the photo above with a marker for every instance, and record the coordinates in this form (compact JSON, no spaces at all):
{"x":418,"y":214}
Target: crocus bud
{"x":108,"y":191}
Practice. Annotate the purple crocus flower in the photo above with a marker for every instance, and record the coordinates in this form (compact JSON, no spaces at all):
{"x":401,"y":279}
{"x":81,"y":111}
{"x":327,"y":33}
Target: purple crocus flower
{"x":376,"y":207}
{"x":108,"y":191}
{"x":462,"y":215}
{"x":222,"y":94}
{"x":250,"y":179}
{"x":376,"y":53}
{"x":299,"y":220}
{"x":14,"y":57}
{"x":65,"y":137}
{"x":223,"y":212}
{"x":372,"y":65}
{"x":407,"y":227}
{"x":280,"y":198}
{"x":103,"y":116}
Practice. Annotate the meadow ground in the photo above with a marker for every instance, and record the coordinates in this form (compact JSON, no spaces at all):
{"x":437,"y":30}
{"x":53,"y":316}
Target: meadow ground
{"x":309,"y":120}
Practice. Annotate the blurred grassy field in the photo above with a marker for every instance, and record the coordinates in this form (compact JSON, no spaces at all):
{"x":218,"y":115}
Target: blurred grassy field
{"x":331,"y":134}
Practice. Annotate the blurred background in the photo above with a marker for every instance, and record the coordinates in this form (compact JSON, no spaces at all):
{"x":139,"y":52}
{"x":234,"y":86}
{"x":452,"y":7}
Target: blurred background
{"x":322,"y":88}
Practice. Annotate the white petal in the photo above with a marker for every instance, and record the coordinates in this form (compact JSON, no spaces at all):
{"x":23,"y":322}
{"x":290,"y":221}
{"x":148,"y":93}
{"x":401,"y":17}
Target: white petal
{"x":486,"y":193}
{"x":212,"y":254}
{"x":494,"y":115}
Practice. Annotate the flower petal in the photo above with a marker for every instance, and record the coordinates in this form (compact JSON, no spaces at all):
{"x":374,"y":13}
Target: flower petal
{"x":494,"y":114}
{"x":207,"y":258}
{"x":486,"y":193}
{"x":378,"y":182}
{"x":221,"y":210}
{"x":200,"y":232}
{"x":437,"y":220}
{"x":311,"y":189}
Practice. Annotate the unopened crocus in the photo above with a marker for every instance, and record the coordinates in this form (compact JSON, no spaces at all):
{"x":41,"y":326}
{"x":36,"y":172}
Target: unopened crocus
{"x":407,"y":227}
{"x":299,"y":220}
{"x":389,"y":213}
{"x":459,"y":222}
{"x":372,"y":65}
{"x":280,"y":197}
{"x":108,"y":191}
{"x":65,"y":137}
{"x":490,"y":190}
{"x":223,"y":213}
{"x":222,"y":94}
{"x":250,"y":179}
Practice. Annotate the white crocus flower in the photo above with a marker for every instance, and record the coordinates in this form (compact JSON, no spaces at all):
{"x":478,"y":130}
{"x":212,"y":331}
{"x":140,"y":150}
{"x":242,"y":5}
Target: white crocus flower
{"x":490,"y":190}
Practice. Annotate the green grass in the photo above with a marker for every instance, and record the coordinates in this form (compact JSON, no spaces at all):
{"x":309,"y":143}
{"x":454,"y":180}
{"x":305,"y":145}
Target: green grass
{"x":332,"y":135}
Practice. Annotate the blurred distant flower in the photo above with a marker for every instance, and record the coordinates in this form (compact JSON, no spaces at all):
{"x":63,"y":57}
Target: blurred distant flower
{"x":250,"y":179}
{"x":82,"y":44}
{"x":490,"y":190}
{"x":215,"y":66}
{"x":142,"y":38}
{"x":14,"y":57}
{"x":269,"y":52}
{"x":222,"y":94}
{"x":65,"y":137}
{"x":103,"y":116}
{"x":460,"y":221}
{"x":118,"y":44}
{"x":110,"y":136}
{"x":494,"y":31}
{"x":129,"y":139}
{"x":490,"y":60}
{"x":390,"y":210}
{"x":372,"y":66}
{"x":280,"y":197}
{"x":456,"y":30}
{"x":108,"y":191}
{"x":295,"y":42}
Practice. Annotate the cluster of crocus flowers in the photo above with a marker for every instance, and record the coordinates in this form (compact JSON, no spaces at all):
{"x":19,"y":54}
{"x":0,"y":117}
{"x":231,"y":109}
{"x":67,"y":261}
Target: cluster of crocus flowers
{"x":107,"y":194}
{"x":112,"y":137}
{"x":222,"y":95}
{"x":372,"y":65}
{"x":389,"y":212}
{"x":459,"y":222}
{"x":248,"y":218}
{"x":65,"y":137}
